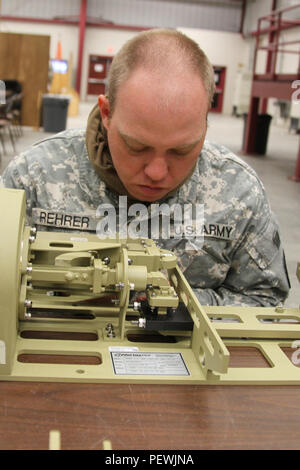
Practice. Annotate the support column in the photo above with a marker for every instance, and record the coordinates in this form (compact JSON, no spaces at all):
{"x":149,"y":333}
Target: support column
{"x":251,"y":126}
{"x":296,"y":176}
{"x":82,"y":25}
{"x":271,"y":57}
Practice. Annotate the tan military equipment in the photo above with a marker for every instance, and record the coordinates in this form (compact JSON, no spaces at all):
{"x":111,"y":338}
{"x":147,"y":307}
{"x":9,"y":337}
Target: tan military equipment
{"x":79,"y":309}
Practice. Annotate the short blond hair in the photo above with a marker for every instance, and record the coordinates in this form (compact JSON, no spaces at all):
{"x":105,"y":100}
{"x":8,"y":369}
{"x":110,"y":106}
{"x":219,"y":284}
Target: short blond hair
{"x":156,"y":49}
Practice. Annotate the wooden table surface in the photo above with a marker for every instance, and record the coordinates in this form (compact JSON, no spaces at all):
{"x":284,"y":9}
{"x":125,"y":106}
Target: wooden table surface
{"x":191,"y":417}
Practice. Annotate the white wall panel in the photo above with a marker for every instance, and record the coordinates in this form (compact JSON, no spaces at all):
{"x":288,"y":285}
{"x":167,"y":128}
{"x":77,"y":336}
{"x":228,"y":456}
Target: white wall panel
{"x":225,"y":49}
{"x":295,"y":13}
{"x":223,"y":16}
{"x":40,"y":8}
{"x":257,"y":8}
{"x":160,"y":13}
{"x":100,"y":41}
{"x":254,"y":10}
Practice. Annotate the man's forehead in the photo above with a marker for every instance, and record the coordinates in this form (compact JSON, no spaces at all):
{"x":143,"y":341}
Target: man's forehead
{"x":163,"y":89}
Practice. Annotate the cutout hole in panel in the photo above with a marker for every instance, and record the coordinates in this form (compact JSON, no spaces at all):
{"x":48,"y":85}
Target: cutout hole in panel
{"x":65,"y":314}
{"x":246,"y":356}
{"x":60,"y":335}
{"x":30,"y":358}
{"x":293,"y":353}
{"x":224,"y":319}
{"x":281,"y":320}
{"x":150,"y":338}
{"x":61,"y":245}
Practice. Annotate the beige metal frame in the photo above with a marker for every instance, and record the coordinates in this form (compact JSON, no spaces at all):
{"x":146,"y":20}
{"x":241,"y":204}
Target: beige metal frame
{"x":203,"y":352}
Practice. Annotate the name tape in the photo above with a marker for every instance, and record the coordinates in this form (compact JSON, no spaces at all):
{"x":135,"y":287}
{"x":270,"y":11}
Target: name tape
{"x":64,"y":220}
{"x":89,"y":223}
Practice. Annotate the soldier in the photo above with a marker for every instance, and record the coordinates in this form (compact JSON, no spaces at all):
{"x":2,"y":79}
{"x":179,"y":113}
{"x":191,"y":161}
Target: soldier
{"x":146,"y":140}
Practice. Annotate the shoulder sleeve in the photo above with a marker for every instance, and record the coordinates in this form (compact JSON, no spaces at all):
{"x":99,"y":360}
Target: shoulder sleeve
{"x":252,"y":270}
{"x":17,"y":176}
{"x":47,"y":170}
{"x":256,"y":273}
{"x":259,"y":269}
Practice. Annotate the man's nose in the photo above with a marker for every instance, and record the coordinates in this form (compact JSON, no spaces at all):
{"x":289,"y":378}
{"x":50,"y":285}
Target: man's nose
{"x":156,"y":169}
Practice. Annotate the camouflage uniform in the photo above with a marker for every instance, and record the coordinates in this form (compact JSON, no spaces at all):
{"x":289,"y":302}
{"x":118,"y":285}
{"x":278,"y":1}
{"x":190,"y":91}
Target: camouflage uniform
{"x":241,"y":261}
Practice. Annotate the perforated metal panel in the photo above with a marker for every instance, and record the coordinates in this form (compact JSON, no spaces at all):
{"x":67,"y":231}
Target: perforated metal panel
{"x":40,"y":8}
{"x":223,"y":16}
{"x":217,"y":14}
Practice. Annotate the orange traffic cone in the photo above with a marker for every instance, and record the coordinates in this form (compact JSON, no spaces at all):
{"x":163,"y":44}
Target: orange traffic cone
{"x":58,"y":51}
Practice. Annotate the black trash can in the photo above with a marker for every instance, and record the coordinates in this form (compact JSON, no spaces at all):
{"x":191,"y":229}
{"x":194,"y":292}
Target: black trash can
{"x":55,"y":112}
{"x":262,"y":132}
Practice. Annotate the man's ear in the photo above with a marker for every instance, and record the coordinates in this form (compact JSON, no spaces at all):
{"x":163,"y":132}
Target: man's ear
{"x":103,"y":104}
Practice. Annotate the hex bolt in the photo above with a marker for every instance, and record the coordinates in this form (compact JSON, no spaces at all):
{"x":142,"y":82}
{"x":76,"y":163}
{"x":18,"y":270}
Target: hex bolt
{"x":111,"y":334}
{"x":110,"y":331}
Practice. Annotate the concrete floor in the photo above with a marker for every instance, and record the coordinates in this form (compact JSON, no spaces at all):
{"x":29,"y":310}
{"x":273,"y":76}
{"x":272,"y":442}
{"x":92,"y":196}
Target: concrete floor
{"x":274,"y":170}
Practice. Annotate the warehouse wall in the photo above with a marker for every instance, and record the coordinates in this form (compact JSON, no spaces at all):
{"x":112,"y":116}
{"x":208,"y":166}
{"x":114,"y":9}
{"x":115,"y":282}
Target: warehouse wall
{"x":97,"y":41}
{"x":68,"y":35}
{"x":105,"y":42}
{"x":223,"y":49}
{"x":258,"y":8}
{"x":40,"y":8}
{"x":163,"y":13}
{"x":287,"y":62}
{"x":216,"y":14}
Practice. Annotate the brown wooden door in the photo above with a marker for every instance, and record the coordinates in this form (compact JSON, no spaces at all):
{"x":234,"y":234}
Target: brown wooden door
{"x":25,"y":58}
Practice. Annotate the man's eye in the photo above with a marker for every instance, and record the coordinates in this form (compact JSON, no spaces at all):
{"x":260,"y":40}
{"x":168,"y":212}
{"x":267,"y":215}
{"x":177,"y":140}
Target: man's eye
{"x":179,"y":153}
{"x":137,"y":150}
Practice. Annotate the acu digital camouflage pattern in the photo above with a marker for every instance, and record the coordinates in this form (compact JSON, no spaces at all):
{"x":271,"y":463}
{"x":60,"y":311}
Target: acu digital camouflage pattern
{"x":243,"y":265}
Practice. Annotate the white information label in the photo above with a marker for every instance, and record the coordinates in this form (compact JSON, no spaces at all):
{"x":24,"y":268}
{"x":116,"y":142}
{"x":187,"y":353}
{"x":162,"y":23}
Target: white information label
{"x":148,"y":363}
